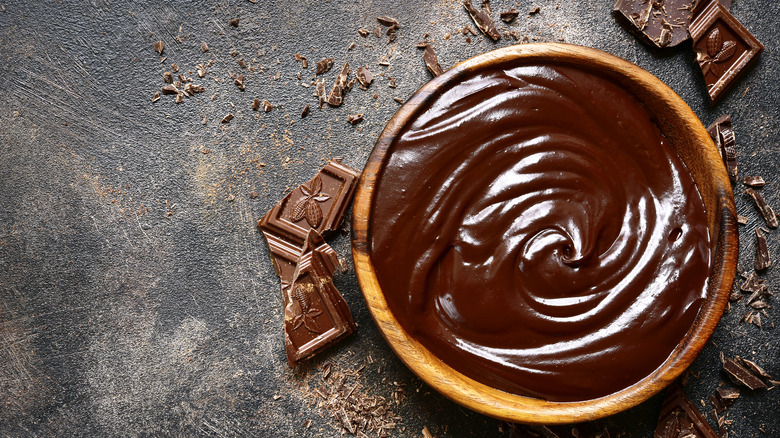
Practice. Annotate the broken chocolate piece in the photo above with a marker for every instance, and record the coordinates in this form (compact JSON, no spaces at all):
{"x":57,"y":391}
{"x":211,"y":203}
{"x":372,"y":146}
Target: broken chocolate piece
{"x":762,"y":252}
{"x":322,"y":95}
{"x":752,"y":283}
{"x":239,"y":81}
{"x":354,"y":119}
{"x":763,"y":207}
{"x":699,"y":5}
{"x":662,"y":23}
{"x":305,"y":111}
{"x":363,"y":32}
{"x":204,"y":47}
{"x":256,"y":104}
{"x":724,"y":48}
{"x":234,"y":22}
{"x":680,"y":418}
{"x":722,"y":134}
{"x":753,"y":181}
{"x":227,"y":118}
{"x":742,"y":375}
{"x":169,"y":89}
{"x":510,"y":15}
{"x":482,"y":19}
{"x":535,"y":10}
{"x":336,"y":97}
{"x":324,"y":65}
{"x":364,"y":76}
{"x":318,"y":205}
{"x":757,"y":370}
{"x":267,"y":106}
{"x":432,"y":61}
{"x":727,"y":395}
{"x":159,"y":46}
{"x":388,"y":22}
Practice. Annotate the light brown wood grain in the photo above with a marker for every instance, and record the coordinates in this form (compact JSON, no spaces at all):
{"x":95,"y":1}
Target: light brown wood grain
{"x":693,"y":144}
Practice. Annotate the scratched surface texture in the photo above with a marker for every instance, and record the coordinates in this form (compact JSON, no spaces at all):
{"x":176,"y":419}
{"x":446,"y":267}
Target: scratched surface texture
{"x":136,"y":294}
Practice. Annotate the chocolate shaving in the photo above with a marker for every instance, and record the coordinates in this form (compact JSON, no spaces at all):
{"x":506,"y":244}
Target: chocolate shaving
{"x":364,"y":76}
{"x":432,"y":61}
{"x":305,"y":111}
{"x":267,"y":106}
{"x":227,"y":118}
{"x":753,"y":181}
{"x":741,"y":375}
{"x":169,"y":89}
{"x":535,"y":10}
{"x":320,"y":92}
{"x":336,"y":97}
{"x":763,"y":207}
{"x":482,"y":19}
{"x":256,"y":104}
{"x":388,"y":21}
{"x":324,"y":65}
{"x":510,"y":15}
{"x":756,"y":369}
{"x":239,"y":81}
{"x":159,"y":46}
{"x":762,"y":252}
{"x":355,"y":119}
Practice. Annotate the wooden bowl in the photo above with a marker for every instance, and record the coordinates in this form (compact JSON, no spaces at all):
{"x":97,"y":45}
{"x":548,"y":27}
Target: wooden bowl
{"x":692,"y":143}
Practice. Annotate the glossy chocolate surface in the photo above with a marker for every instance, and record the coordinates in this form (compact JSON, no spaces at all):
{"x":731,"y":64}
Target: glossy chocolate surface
{"x":533,"y":229}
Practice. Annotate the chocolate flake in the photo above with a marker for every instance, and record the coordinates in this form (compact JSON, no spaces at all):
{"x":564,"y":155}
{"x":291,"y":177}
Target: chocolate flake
{"x":159,"y":46}
{"x":722,"y":134}
{"x":169,"y":89}
{"x":256,"y":104}
{"x":167,"y":77}
{"x":305,"y":111}
{"x":510,"y":15}
{"x":762,"y":252}
{"x":742,"y":219}
{"x":239,"y":81}
{"x":535,"y":10}
{"x":321,"y":93}
{"x":336,"y":97}
{"x":753,"y":181}
{"x":355,"y":119}
{"x":388,"y":22}
{"x":324,"y":65}
{"x":227,"y":118}
{"x":763,"y":207}
{"x":482,"y":18}
{"x":156,"y":97}
{"x":432,"y":61}
{"x":391,"y":82}
{"x":399,"y":100}
{"x":204,"y":47}
{"x":742,"y":375}
{"x":724,"y":48}
{"x":364,"y":76}
{"x":267,"y":106}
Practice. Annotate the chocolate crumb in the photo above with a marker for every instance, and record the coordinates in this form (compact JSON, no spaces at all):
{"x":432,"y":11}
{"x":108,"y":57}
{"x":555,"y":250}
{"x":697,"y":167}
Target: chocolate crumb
{"x":399,"y":100}
{"x":156,"y":97}
{"x":324,"y":65}
{"x":510,"y":15}
{"x":239,"y":81}
{"x":253,"y":195}
{"x":227,"y":118}
{"x":363,"y":32}
{"x":762,"y":252}
{"x":159,"y":46}
{"x":305,"y":111}
{"x":336,"y":97}
{"x":204,"y":47}
{"x":764,"y":208}
{"x":432,"y":61}
{"x":482,"y":18}
{"x":753,"y":181}
{"x":351,"y":46}
{"x":364,"y":76}
{"x":321,"y":93}
{"x":167,"y":77}
{"x":234,"y":22}
{"x":391,"y":82}
{"x":256,"y":104}
{"x":534,"y":11}
{"x":267,"y":106}
{"x":355,"y":119}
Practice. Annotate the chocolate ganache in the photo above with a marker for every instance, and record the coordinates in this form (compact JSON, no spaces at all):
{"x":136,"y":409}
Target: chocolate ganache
{"x":533,"y":229}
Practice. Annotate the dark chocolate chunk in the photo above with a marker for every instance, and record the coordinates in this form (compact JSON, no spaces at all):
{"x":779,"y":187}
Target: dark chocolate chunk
{"x":757,"y":370}
{"x":234,"y":22}
{"x":354,"y":119}
{"x":509,"y":16}
{"x":324,"y":65}
{"x":727,"y":395}
{"x":364,"y":76}
{"x":169,"y":89}
{"x":680,"y":418}
{"x":753,"y":181}
{"x":482,"y":19}
{"x":159,"y":46}
{"x":752,"y":284}
{"x":305,"y":111}
{"x":662,"y":23}
{"x":432,"y":61}
{"x":717,"y":404}
{"x":399,"y":100}
{"x":724,"y":48}
{"x":388,"y":21}
{"x":336,"y":97}
{"x":762,"y":252}
{"x":742,"y":375}
{"x":763,"y":207}
{"x":318,"y":205}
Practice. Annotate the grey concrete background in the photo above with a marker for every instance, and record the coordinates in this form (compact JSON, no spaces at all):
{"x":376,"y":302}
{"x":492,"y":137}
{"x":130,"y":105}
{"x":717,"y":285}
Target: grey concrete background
{"x":136,"y":295}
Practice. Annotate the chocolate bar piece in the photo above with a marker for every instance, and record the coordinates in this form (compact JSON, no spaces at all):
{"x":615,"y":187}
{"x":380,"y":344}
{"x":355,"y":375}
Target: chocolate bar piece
{"x":722,"y":134}
{"x":766,"y":211}
{"x":662,"y":23}
{"x":762,"y":252}
{"x":724,"y":48}
{"x":315,"y":314}
{"x":319,"y":205}
{"x":699,"y":5}
{"x":680,"y":418}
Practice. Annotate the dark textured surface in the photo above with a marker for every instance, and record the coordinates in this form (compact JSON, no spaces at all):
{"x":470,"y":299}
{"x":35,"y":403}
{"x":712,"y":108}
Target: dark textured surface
{"x":136,"y":295}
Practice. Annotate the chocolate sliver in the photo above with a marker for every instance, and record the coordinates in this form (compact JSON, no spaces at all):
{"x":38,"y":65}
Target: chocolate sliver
{"x":482,"y":19}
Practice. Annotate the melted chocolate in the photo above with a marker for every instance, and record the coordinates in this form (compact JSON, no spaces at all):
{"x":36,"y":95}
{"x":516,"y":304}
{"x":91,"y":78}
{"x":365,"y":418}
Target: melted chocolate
{"x":534,"y":229}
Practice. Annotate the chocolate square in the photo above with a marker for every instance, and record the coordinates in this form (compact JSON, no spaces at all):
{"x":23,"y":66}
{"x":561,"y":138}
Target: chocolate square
{"x":724,"y":48}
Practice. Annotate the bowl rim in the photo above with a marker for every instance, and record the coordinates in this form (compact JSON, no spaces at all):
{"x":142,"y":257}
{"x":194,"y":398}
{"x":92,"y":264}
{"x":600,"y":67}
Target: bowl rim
{"x":516,"y":408}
